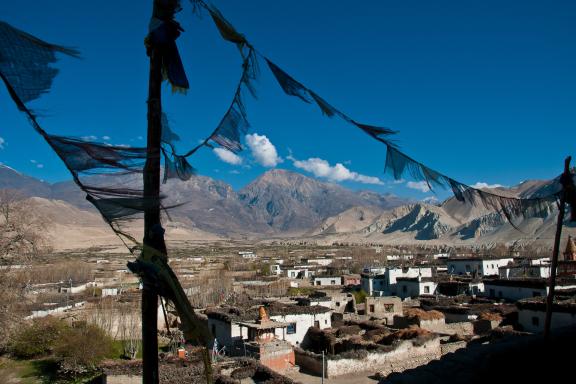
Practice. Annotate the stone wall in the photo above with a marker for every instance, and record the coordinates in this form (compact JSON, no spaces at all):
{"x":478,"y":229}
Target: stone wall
{"x":463,"y":328}
{"x":124,"y":379}
{"x":405,"y":356}
{"x":308,"y":362}
{"x":435,"y":325}
{"x":452,"y":347}
{"x":485,"y":326}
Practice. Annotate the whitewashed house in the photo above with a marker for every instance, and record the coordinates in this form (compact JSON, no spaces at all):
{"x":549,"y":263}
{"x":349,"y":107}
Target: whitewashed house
{"x":298,"y":272}
{"x":477,"y":265}
{"x":412,"y":287}
{"x":518,"y":289}
{"x":247,"y":254}
{"x":532,"y":314}
{"x":382,"y":281}
{"x":327,"y":281}
{"x":526,"y":271}
{"x":226,"y":323}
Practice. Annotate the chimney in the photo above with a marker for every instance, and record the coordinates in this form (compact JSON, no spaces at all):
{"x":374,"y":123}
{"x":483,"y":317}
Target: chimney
{"x":262,"y":315}
{"x":570,"y":252}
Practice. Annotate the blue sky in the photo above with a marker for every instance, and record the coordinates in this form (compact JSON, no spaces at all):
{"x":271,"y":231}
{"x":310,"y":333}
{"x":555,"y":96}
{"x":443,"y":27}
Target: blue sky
{"x":481,"y":91}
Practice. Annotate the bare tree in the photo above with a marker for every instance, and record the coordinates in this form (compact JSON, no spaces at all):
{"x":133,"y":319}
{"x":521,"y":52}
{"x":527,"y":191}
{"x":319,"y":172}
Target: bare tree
{"x":21,"y":233}
{"x":21,"y":239}
{"x":130,"y":331}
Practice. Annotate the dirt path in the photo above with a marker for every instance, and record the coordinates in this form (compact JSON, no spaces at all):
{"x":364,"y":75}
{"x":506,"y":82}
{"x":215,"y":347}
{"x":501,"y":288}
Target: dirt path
{"x":347,"y":379}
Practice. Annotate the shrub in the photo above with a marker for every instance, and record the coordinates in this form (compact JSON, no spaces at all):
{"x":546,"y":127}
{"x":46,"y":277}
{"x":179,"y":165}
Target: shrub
{"x":360,"y":296}
{"x":37,"y":338}
{"x":82,"y":347}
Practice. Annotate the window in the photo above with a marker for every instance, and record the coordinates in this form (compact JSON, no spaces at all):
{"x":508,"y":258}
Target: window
{"x":318,"y":282}
{"x":317,"y":324}
{"x":333,"y":282}
{"x":325,"y":321}
{"x":535,"y":321}
{"x":467,"y":268}
{"x":426,"y":289}
{"x":337,"y":303}
{"x":389,"y":307}
{"x":291,"y":328}
{"x":371,"y":309}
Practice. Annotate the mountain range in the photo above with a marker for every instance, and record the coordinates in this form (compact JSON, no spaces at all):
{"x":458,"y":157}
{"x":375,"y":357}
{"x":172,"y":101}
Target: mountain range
{"x":285,"y":204}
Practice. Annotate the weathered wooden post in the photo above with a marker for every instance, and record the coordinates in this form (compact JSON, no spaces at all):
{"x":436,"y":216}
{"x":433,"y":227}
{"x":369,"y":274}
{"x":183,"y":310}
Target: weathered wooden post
{"x":153,"y":232}
{"x":556,"y":250}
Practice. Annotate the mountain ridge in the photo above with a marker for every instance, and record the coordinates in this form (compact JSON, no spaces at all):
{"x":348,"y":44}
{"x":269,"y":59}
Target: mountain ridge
{"x":284,"y":204}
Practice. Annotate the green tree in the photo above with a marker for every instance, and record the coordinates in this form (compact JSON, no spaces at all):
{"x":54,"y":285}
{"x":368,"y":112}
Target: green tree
{"x":360,"y":296}
{"x":37,"y":338}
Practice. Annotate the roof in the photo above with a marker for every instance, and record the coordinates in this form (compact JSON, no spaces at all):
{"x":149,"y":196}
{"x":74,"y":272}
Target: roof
{"x":479,"y":258}
{"x":270,"y":324}
{"x":250,"y":312}
{"x":415,"y":279}
{"x":527,"y":283}
{"x":539,"y":304}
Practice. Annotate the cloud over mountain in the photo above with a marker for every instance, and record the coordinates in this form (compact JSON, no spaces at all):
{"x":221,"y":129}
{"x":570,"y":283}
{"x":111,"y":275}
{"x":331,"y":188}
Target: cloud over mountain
{"x":322,"y":168}
{"x":263,"y":151}
{"x":228,"y":156}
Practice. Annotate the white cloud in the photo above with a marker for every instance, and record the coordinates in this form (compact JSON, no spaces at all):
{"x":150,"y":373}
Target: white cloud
{"x":105,"y":137}
{"x":37,"y":164}
{"x":234,"y":172}
{"x":263,"y":151}
{"x":420,"y":185}
{"x":321,"y":168}
{"x":2,"y":142}
{"x":228,"y":156}
{"x":90,"y":138}
{"x":481,"y":184}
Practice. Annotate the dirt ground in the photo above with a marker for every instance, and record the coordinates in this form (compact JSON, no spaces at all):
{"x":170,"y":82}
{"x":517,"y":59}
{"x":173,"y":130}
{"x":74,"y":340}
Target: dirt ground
{"x":303,"y":378}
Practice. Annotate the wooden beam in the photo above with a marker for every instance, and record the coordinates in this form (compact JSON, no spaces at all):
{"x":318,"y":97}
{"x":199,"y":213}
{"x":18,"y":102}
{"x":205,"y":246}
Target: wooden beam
{"x":556,"y":251}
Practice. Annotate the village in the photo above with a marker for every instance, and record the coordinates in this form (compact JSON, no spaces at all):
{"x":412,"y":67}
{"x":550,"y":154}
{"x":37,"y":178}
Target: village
{"x":308,"y":313}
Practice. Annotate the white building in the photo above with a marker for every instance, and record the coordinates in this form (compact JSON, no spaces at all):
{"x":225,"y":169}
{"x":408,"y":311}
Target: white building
{"x":519,"y":289}
{"x":480,"y":266}
{"x":247,"y":254}
{"x":71,"y":288}
{"x":526,"y":271}
{"x":321,"y":261}
{"x":532,"y":314}
{"x":382,"y":281}
{"x":275,"y":269}
{"x":109,"y":292}
{"x":326,"y":281}
{"x":399,"y":257}
{"x":412,"y":287}
{"x":225,"y":323}
{"x":298,"y":272}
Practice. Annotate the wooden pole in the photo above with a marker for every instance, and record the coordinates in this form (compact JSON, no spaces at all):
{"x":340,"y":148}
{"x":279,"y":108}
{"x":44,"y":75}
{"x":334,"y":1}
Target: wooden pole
{"x":153,"y":232}
{"x":555,"y":252}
